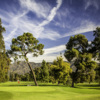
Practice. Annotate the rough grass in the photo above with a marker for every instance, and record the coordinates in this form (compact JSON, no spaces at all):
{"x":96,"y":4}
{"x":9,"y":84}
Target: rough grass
{"x":24,"y":91}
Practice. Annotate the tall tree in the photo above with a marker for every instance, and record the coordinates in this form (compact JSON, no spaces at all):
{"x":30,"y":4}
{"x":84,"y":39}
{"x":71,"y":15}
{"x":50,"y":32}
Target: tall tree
{"x":4,"y":60}
{"x":44,"y":74}
{"x":77,"y":54}
{"x":24,"y":44}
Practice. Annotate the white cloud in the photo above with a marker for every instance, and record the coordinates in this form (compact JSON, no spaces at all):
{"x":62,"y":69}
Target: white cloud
{"x":11,"y":35}
{"x":38,"y":59}
{"x":89,"y":3}
{"x":19,"y":22}
{"x":52,"y":14}
{"x":13,"y":24}
{"x":86,"y":26}
{"x":89,"y":42}
{"x":49,"y":54}
{"x":55,"y":49}
{"x":41,"y":9}
{"x":49,"y":34}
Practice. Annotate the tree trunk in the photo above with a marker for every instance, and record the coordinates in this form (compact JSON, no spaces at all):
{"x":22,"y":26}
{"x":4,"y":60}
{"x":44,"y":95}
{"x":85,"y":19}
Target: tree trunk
{"x":58,"y":82}
{"x":33,"y":74}
{"x":72,"y":83}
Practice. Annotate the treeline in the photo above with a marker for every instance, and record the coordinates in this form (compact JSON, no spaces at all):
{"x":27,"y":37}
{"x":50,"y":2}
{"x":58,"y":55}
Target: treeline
{"x":58,"y":72}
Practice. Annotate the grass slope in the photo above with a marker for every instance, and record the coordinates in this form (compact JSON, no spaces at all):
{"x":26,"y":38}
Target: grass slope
{"x":23,"y":91}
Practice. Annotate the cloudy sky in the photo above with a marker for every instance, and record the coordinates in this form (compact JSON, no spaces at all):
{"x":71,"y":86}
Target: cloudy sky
{"x":52,"y":22}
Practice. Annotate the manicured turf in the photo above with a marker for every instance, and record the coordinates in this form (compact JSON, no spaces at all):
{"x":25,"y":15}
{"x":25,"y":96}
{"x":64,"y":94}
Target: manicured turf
{"x":23,"y":91}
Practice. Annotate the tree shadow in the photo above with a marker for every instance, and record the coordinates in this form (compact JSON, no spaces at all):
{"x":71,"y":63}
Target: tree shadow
{"x":97,"y":87}
{"x":53,"y":85}
{"x":12,"y":85}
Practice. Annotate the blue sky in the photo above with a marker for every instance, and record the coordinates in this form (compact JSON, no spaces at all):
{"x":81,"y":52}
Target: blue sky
{"x":52,"y":22}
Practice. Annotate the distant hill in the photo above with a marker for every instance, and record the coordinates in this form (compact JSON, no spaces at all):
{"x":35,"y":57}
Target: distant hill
{"x":22,"y":67}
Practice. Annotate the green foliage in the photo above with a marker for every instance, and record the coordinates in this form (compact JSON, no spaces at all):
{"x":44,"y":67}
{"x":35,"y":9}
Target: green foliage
{"x":44,"y":74}
{"x":98,"y":74}
{"x":95,"y":50}
{"x":2,"y":45}
{"x":59,"y":71}
{"x":96,"y":42}
{"x":78,"y":42}
{"x":4,"y":60}
{"x":26,"y":43}
{"x":37,"y":71}
{"x":71,"y":54}
{"x":12,"y":76}
{"x":86,"y":67}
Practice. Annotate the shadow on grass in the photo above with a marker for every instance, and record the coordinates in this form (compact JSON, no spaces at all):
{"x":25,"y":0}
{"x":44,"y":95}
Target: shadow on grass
{"x":54,"y":85}
{"x":11,"y":85}
{"x":88,"y":86}
{"x":5,"y":95}
{"x":41,"y":85}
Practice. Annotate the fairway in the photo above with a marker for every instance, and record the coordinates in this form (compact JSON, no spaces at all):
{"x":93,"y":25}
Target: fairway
{"x":23,"y":91}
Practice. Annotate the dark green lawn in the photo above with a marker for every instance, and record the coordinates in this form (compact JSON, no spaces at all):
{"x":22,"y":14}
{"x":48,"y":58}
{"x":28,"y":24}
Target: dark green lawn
{"x":23,"y":91}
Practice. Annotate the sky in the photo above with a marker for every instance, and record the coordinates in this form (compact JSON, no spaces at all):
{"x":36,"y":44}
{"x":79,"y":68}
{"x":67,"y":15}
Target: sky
{"x":52,"y":22}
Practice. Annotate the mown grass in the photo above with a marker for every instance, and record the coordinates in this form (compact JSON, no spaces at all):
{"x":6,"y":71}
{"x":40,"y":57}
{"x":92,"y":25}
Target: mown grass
{"x":26,"y":91}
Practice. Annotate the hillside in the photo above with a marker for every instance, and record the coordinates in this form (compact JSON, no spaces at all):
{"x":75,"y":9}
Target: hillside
{"x":22,"y":67}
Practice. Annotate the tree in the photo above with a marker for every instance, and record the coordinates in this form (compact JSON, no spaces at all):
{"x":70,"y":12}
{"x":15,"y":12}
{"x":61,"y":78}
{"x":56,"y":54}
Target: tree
{"x":95,"y":50}
{"x":59,"y":71}
{"x":4,"y":60}
{"x":25,"y":44}
{"x":44,"y":74}
{"x":37,"y":71}
{"x":77,"y":54}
